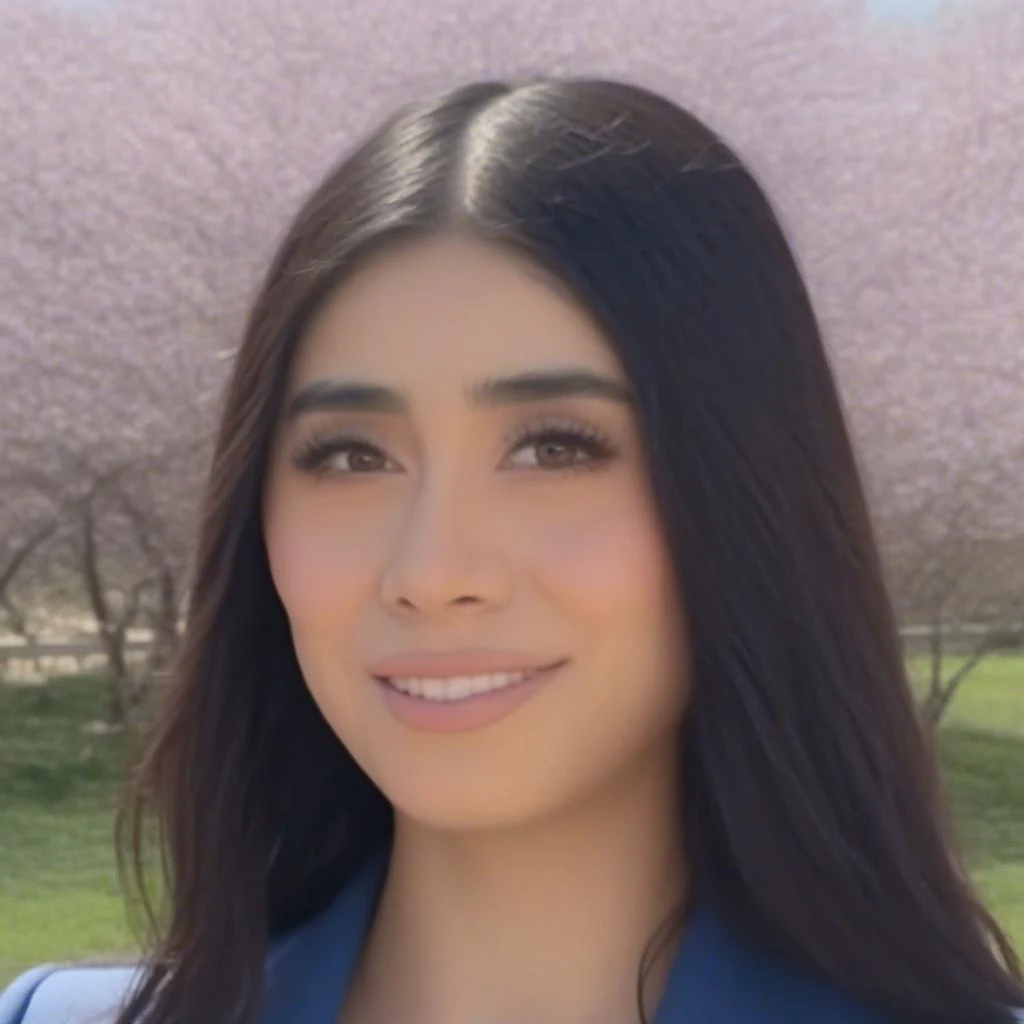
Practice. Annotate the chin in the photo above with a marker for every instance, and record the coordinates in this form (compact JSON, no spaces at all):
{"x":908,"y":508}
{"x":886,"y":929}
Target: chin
{"x":468,"y":804}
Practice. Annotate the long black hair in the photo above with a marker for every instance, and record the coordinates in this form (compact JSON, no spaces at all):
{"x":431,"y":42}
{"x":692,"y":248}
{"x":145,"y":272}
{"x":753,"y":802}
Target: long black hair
{"x":812,"y":806}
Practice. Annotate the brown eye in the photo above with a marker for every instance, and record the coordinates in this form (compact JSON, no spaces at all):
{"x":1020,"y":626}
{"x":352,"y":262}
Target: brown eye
{"x":363,"y":459}
{"x":555,"y":449}
{"x":566,"y":448}
{"x":321,"y":456}
{"x":557,"y":453}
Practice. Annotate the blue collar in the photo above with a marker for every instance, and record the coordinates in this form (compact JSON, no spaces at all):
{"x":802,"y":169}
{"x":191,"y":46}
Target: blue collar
{"x":715,"y":978}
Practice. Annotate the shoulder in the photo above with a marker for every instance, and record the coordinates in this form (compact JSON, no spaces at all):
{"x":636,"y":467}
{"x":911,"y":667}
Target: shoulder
{"x":782,"y":992}
{"x":66,"y":994}
{"x":758,"y":985}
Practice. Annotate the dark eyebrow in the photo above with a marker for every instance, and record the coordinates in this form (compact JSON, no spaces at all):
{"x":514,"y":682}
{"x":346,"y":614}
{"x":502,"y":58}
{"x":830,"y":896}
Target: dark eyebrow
{"x":530,"y":386}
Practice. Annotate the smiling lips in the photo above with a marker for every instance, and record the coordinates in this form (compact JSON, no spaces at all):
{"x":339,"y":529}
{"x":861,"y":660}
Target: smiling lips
{"x":470,"y":697}
{"x":457,"y":687}
{"x":467,"y":662}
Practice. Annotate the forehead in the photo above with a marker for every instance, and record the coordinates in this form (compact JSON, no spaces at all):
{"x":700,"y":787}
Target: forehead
{"x":450,"y":305}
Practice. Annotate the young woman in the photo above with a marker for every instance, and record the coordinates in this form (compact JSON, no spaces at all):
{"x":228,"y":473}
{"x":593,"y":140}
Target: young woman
{"x":539,"y":666}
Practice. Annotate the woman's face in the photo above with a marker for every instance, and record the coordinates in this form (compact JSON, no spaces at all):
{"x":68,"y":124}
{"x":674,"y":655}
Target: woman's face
{"x":519,"y":526}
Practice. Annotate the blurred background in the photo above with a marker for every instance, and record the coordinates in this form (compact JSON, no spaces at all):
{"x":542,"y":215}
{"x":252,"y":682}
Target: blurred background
{"x":152,"y":153}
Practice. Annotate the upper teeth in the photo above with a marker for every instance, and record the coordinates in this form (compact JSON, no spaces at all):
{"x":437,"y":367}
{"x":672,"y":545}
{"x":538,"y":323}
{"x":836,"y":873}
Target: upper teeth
{"x":455,"y":687}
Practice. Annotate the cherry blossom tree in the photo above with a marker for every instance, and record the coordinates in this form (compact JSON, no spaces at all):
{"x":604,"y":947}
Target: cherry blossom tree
{"x":155,"y":149}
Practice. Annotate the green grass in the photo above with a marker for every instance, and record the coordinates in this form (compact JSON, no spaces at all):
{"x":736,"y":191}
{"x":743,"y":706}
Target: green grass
{"x":982,"y":746}
{"x":58,"y":887}
{"x":990,"y":699}
{"x":58,"y":882}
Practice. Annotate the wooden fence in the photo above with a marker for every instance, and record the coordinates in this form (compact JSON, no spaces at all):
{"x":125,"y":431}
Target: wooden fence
{"x":23,"y":662}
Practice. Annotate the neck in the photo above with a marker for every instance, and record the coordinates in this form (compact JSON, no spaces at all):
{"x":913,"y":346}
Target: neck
{"x":543,"y":923}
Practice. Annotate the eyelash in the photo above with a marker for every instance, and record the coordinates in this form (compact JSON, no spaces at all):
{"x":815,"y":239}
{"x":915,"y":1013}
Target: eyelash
{"x":313,"y":455}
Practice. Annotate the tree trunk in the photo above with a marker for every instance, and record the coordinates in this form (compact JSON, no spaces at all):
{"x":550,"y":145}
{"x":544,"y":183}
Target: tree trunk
{"x":111,"y":637}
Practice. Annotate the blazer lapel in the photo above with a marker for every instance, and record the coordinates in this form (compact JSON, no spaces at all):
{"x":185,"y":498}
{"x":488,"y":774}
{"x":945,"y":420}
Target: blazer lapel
{"x":707,"y":981}
{"x":715,"y":978}
{"x":309,"y":970}
{"x":718,"y":977}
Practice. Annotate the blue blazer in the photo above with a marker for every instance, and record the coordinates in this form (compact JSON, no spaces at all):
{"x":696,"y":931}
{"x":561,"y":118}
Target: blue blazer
{"x":715,"y":978}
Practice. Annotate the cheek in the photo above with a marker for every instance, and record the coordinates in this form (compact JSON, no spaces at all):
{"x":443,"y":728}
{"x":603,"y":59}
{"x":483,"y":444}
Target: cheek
{"x":611,"y":572}
{"x":317,"y":568}
{"x":611,"y":559}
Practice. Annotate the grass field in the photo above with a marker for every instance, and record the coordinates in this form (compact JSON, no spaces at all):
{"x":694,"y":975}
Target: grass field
{"x":58,"y":891}
{"x":982,"y":747}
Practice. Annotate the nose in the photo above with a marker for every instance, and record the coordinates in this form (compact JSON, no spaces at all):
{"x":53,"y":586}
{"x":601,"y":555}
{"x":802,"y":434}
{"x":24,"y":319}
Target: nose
{"x":445,"y":555}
